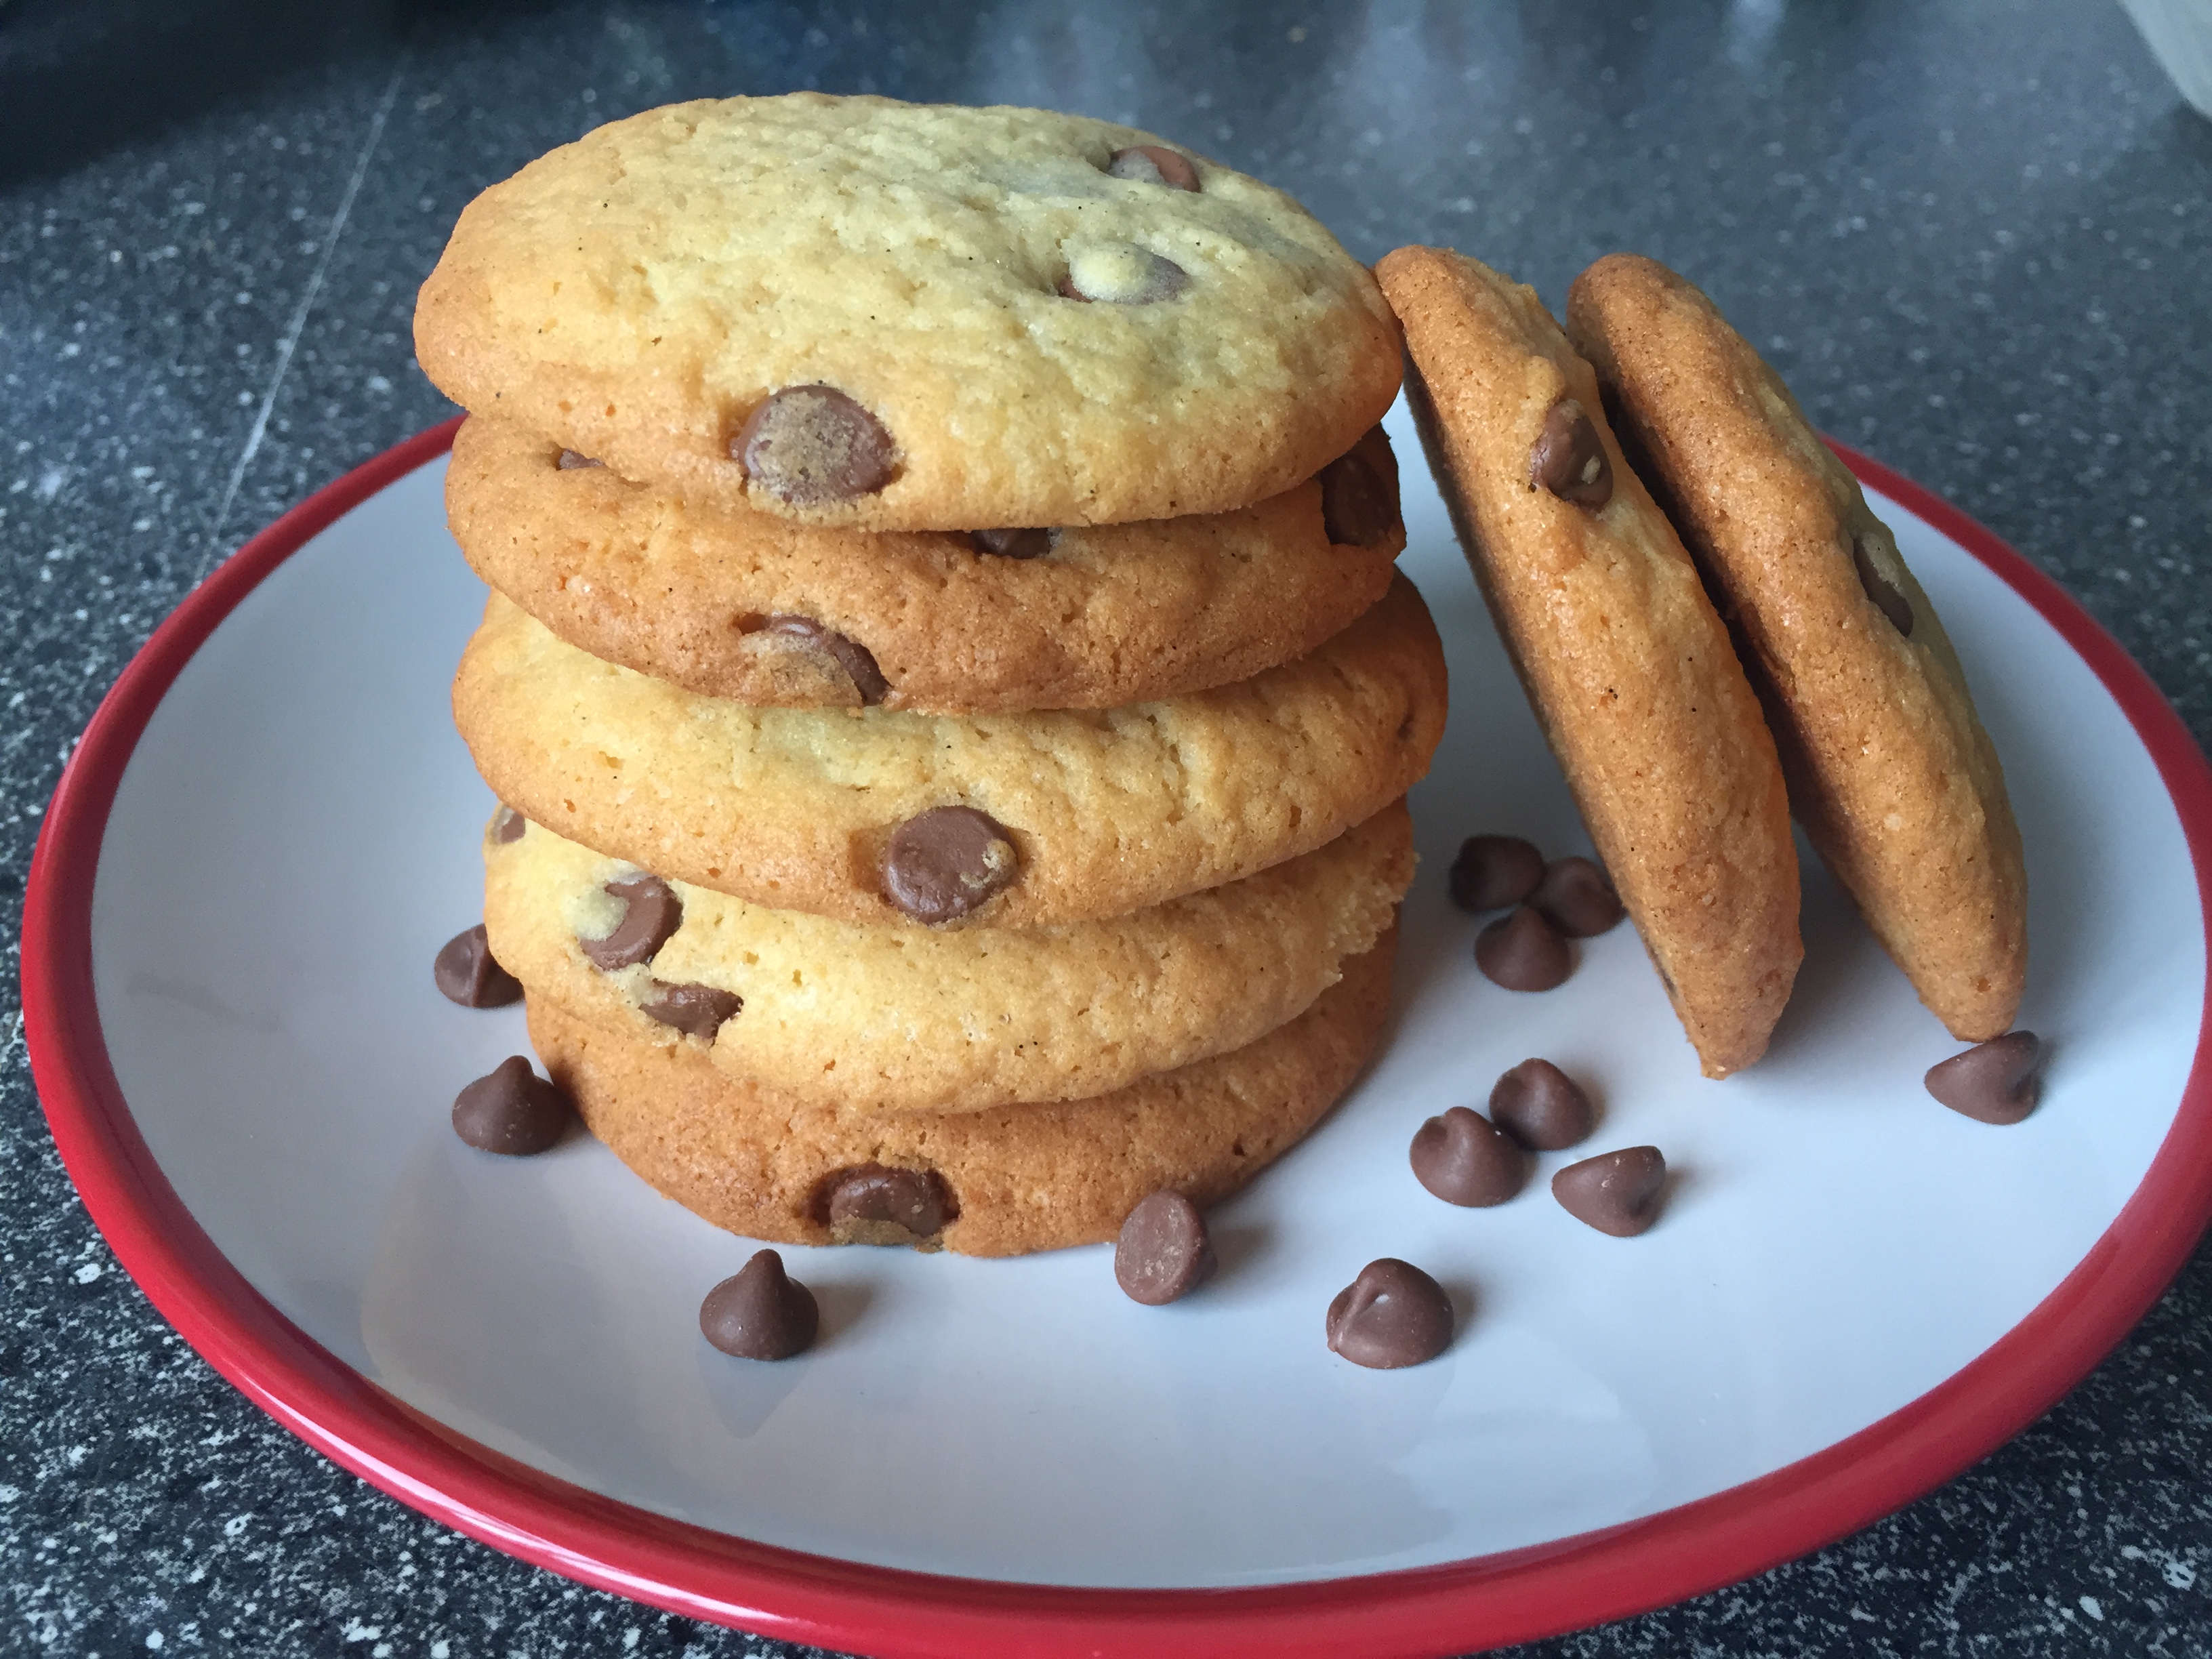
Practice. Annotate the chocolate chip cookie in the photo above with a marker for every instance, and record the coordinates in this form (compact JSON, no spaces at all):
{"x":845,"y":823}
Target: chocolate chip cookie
{"x":1627,"y":666}
{"x":1894,"y":779}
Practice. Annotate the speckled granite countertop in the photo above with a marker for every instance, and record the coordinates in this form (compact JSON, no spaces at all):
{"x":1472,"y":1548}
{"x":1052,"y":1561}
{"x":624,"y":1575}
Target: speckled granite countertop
{"x":1974,"y":236}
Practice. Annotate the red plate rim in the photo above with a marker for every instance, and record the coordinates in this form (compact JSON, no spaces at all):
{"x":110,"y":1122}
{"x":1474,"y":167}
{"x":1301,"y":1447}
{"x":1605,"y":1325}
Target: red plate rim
{"x":1494,"y":1600}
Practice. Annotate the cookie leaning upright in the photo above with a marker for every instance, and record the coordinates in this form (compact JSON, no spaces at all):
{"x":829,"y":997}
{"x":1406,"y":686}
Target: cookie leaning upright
{"x":1628,"y":667}
{"x":901,"y":317}
{"x":1896,"y":782}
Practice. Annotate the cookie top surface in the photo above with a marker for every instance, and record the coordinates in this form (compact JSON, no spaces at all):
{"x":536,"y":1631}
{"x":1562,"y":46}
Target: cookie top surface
{"x":1897,"y":783}
{"x":757,"y":1162}
{"x":639,"y":295}
{"x":840,"y":1014}
{"x":1108,"y":811}
{"x":1088,"y":617}
{"x":1626,"y":663}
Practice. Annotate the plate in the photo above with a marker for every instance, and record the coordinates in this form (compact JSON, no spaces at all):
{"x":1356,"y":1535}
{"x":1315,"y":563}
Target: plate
{"x":270,"y":827}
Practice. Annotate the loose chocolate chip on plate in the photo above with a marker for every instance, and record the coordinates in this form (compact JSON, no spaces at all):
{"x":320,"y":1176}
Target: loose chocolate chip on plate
{"x":873,"y":1204}
{"x":512,"y":1111}
{"x":1163,"y":1250}
{"x":1521,"y":952}
{"x":466,"y":973}
{"x":571,"y":459}
{"x":849,"y":654}
{"x":942,"y":864}
{"x":1616,"y":1193}
{"x":760,"y":1312}
{"x":1464,"y":1159}
{"x":1568,"y":459}
{"x":1123,"y":274}
{"x":812,"y":445}
{"x":1494,"y":871}
{"x":1153,"y":164}
{"x":693,"y":1009}
{"x":651,"y":913}
{"x":507,"y":826}
{"x":1887,"y":598}
{"x":1359,"y":492}
{"x":1541,"y":1107}
{"x":1014,"y":544}
{"x":1392,"y":1314}
{"x":1995,"y":1082}
{"x":1577,"y":898}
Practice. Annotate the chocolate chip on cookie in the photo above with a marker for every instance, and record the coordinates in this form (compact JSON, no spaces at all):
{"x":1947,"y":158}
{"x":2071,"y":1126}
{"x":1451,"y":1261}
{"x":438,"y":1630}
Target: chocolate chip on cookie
{"x":511,"y":1111}
{"x":1163,"y":1251}
{"x":1492,"y":871}
{"x":1999,"y":1081}
{"x":1541,"y":1107}
{"x":1617,"y":1193}
{"x":1523,"y":953}
{"x":1465,"y":1159}
{"x":940,"y":865}
{"x":1014,"y":543}
{"x":694,"y":1009}
{"x":1153,"y":164}
{"x":873,"y":1204}
{"x":1392,"y":1314}
{"x":849,"y":654}
{"x":811,"y":446}
{"x":507,"y":826}
{"x":1568,"y":459}
{"x":1576,"y":897}
{"x":571,"y":460}
{"x":1123,"y":274}
{"x":1887,"y":598}
{"x":651,"y":913}
{"x":1359,"y":493}
{"x":466,"y":973}
{"x":760,"y":1312}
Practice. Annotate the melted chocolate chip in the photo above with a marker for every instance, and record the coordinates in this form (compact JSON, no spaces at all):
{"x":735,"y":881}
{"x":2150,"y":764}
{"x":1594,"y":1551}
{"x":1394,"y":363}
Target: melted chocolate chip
{"x":1123,"y":274}
{"x":693,"y":1009}
{"x":507,"y":826}
{"x":872,"y":1204}
{"x":1577,"y":898}
{"x":855,"y":659}
{"x":1464,"y":1159}
{"x":1392,"y":1314}
{"x":1999,"y":1081}
{"x":571,"y":459}
{"x":1884,"y":594}
{"x":1494,"y":871}
{"x":760,"y":1312}
{"x":812,"y":445}
{"x":651,"y":913}
{"x":1359,"y":493}
{"x":1541,"y":1107}
{"x":1616,"y":1193}
{"x":1521,"y":952}
{"x":1163,"y":1251}
{"x":1568,"y":458}
{"x":512,"y":1111}
{"x":1153,"y":164}
{"x":465,"y":972}
{"x":940,"y":865}
{"x":1014,"y":544}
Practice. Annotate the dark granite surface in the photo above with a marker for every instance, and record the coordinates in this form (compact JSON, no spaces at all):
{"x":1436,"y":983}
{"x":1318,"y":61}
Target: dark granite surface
{"x":1975,"y":237}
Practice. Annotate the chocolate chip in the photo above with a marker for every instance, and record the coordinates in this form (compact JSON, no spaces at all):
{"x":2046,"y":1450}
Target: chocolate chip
{"x":943,"y":863}
{"x":855,"y":659}
{"x":760,"y":1312}
{"x":1392,"y":1314}
{"x":465,"y":972}
{"x":1541,"y":1107}
{"x":1616,"y":1193}
{"x":1153,"y":164}
{"x":1568,"y":458}
{"x":1123,"y":274}
{"x":1577,"y":898}
{"x":1014,"y":543}
{"x":1494,"y":871}
{"x":871,"y":1204}
{"x":1995,"y":1082}
{"x":651,"y":913}
{"x":1464,"y":1158}
{"x":693,"y":1009}
{"x":507,"y":826}
{"x":1521,"y":952}
{"x":809,"y":445}
{"x":1359,"y":493}
{"x":571,"y":459}
{"x":1887,"y":598}
{"x":512,"y":1111}
{"x":1163,"y":1250}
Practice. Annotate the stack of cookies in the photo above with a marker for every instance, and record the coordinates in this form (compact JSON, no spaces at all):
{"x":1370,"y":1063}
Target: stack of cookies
{"x":946,"y":669}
